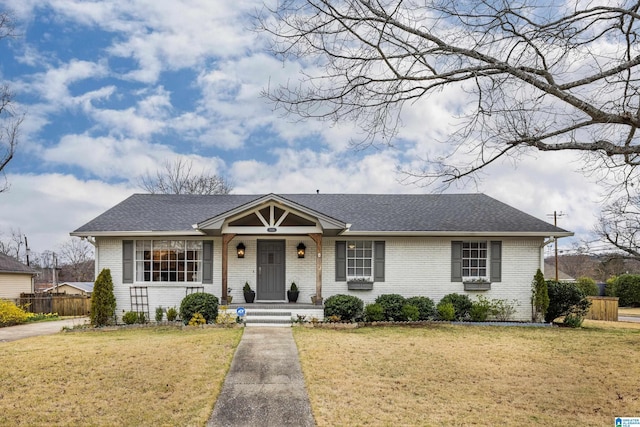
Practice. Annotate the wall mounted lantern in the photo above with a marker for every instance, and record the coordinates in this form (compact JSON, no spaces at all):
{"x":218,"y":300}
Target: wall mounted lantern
{"x":301,"y":248}
{"x":240,"y":248}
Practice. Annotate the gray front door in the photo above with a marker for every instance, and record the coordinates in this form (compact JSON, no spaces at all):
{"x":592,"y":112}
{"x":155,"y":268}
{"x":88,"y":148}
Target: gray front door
{"x":271,"y":269}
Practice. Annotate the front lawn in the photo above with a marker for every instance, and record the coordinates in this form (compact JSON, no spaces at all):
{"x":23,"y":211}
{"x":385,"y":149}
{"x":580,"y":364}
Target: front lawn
{"x":471,"y":375}
{"x":148,"y":376}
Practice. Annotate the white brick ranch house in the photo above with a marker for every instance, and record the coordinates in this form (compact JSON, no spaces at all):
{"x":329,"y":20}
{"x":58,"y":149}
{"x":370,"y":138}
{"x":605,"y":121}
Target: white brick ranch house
{"x":160,"y":248}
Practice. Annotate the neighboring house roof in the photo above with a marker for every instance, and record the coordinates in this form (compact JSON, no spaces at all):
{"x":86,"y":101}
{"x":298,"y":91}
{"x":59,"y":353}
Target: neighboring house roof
{"x":11,"y":265}
{"x":361,"y":213}
{"x":550,"y":273}
{"x":82,"y":286}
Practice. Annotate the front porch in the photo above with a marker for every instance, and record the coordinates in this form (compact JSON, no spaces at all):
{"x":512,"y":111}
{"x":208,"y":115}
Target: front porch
{"x":276,"y":314}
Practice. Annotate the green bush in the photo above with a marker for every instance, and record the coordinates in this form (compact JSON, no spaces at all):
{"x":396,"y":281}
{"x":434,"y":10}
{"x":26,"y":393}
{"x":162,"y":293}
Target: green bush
{"x":481,"y":309}
{"x":446,"y":311}
{"x":392,"y":306}
{"x":573,"y":320}
{"x":159,"y":314}
{"x":610,"y":287}
{"x":628,"y":290}
{"x":426,"y":307}
{"x":461,"y":303}
{"x":565,"y":298}
{"x":203,"y":303}
{"x":11,"y":314}
{"x":103,"y":302}
{"x":172,"y":314}
{"x":130,"y":317}
{"x":540,"y":296}
{"x":374,"y":313}
{"x":588,"y":286}
{"x":410,"y":313}
{"x":347,"y":307}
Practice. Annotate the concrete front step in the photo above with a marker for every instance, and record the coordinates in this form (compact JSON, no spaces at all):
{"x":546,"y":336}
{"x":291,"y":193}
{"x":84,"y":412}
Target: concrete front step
{"x":276,"y":314}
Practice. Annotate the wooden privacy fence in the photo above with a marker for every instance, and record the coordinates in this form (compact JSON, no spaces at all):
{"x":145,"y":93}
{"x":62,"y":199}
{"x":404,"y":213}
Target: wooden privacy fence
{"x":603,"y":308}
{"x":63,"y":304}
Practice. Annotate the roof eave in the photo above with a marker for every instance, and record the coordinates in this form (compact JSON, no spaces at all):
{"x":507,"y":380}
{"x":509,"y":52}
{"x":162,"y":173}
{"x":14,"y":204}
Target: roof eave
{"x":460,"y":233}
{"x":137,"y":233}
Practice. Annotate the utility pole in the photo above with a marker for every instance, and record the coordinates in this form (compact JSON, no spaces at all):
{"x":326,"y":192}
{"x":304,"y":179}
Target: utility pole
{"x":555,"y":239}
{"x":27,"y":250}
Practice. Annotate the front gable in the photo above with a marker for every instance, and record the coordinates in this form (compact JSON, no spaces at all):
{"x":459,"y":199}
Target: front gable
{"x":271,"y":214}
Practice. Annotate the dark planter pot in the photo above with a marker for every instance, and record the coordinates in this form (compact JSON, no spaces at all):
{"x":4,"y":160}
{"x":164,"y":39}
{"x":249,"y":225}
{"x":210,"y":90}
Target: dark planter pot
{"x":292,"y":296}
{"x":249,"y":297}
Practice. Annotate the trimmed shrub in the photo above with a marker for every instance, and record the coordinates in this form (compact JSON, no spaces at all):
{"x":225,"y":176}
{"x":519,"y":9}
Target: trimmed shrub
{"x":540,"y":295}
{"x":172,"y":314}
{"x":610,"y":287}
{"x":159,"y":314}
{"x":410,"y":313}
{"x":628,"y":290}
{"x":588,"y":286}
{"x":103,"y":302}
{"x":347,"y":307}
{"x":11,"y":314}
{"x":461,"y":303}
{"x":446,"y":311}
{"x":203,"y":303}
{"x":425,"y":305}
{"x":130,"y":317}
{"x":374,"y":313}
{"x":392,"y":306}
{"x":564,"y":298}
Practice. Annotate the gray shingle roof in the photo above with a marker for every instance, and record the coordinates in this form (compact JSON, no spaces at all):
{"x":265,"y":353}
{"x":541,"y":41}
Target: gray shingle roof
{"x":366,"y":212}
{"x":11,"y":265}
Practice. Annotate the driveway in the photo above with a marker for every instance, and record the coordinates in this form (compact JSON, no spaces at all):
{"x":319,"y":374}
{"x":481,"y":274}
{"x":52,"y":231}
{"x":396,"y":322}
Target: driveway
{"x":13,"y":333}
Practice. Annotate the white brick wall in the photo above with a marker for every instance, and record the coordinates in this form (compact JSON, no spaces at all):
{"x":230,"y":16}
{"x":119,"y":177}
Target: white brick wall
{"x":414,"y":266}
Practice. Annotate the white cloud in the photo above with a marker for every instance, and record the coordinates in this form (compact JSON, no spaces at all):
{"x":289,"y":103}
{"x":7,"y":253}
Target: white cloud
{"x":48,"y":207}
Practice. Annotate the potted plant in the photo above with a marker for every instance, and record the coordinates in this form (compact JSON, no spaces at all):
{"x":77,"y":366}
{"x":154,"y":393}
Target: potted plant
{"x":249,"y":294}
{"x":293,"y":292}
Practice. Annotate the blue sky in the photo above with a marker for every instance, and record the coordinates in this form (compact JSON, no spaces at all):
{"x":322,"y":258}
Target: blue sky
{"x":112,"y":89}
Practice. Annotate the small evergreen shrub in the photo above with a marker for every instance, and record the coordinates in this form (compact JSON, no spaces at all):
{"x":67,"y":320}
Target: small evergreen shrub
{"x":347,"y":308}
{"x":588,"y":286}
{"x":446,"y":311}
{"x":573,"y":320}
{"x":142,"y":318}
{"x":374,"y":313}
{"x":628,"y":290}
{"x":565,"y":298}
{"x":11,"y":314}
{"x":425,"y":305}
{"x":130,"y":317}
{"x":159,"y":314}
{"x":540,"y":296}
{"x":481,"y":309}
{"x":392,"y":306}
{"x":103,"y":302}
{"x":172,"y":314}
{"x":461,"y":303}
{"x":203,"y":303}
{"x":410,"y":313}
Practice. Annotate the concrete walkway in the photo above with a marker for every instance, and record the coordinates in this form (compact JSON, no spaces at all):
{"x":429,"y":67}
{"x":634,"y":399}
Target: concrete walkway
{"x":264,"y":386}
{"x":12,"y":333}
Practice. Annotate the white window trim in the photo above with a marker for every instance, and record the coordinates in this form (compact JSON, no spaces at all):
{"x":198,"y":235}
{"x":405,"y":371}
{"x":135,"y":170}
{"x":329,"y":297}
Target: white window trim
{"x":371,"y":267}
{"x":151,"y":282}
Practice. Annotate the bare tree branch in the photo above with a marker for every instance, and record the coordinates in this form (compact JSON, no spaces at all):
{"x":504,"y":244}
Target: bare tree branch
{"x":539,"y":76}
{"x":10,"y":120}
{"x":179,"y":178}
